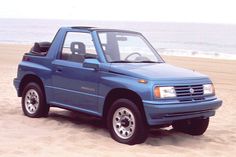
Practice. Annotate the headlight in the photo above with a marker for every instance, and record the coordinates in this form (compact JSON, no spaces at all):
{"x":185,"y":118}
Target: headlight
{"x":208,"y":89}
{"x":164,"y":92}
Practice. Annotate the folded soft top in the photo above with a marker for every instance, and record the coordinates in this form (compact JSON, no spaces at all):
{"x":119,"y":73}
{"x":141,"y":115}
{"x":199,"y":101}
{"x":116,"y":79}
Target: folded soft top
{"x":40,"y":48}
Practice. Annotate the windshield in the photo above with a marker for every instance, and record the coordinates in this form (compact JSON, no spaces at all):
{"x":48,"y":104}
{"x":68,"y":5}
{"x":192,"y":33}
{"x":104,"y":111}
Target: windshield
{"x":123,"y":47}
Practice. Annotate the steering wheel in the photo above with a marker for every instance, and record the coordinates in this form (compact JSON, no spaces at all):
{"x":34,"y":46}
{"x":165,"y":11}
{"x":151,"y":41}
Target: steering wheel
{"x":134,"y":53}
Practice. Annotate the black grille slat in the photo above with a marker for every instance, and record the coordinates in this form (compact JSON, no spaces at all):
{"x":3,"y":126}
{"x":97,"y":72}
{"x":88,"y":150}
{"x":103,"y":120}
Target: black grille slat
{"x":191,"y":96}
{"x":182,"y":91}
{"x":197,"y":92}
{"x":187,"y":87}
{"x":184,"y":95}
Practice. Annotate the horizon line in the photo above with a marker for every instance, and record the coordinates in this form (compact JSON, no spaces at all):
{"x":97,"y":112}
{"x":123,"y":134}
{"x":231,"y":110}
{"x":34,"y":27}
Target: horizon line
{"x":117,"y":21}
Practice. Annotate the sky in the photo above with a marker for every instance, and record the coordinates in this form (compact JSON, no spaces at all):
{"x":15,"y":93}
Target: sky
{"x":196,"y":11}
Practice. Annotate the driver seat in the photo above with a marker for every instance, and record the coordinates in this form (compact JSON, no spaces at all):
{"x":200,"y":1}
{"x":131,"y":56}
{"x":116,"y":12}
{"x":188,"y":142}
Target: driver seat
{"x":78,"y":51}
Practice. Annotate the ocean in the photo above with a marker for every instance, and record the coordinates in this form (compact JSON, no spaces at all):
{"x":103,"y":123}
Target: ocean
{"x":179,"y":39}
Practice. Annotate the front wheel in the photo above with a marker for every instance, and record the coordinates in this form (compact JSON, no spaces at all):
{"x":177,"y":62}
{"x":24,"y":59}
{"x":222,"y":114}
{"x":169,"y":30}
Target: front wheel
{"x":33,"y":101}
{"x":126,"y":123}
{"x":196,"y":126}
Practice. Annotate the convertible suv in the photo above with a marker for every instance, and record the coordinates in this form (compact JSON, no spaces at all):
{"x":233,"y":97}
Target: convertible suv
{"x":116,"y":75}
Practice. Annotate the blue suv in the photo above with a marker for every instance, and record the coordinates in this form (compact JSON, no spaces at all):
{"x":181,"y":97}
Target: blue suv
{"x":116,"y":75}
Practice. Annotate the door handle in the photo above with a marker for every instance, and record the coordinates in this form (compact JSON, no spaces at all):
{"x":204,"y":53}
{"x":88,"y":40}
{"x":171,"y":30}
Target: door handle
{"x":58,"y":70}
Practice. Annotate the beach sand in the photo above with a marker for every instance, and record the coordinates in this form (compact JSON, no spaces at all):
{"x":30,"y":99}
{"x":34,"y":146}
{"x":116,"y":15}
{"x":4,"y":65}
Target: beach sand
{"x":65,"y":133}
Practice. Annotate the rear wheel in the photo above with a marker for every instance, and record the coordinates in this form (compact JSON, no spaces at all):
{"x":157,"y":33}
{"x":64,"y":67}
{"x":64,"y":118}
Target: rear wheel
{"x":125,"y":122}
{"x":33,"y":101}
{"x":196,"y":126}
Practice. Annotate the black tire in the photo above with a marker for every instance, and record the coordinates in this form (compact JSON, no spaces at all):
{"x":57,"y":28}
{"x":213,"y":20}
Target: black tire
{"x":196,"y":126}
{"x":35,"y":92}
{"x":139,"y":127}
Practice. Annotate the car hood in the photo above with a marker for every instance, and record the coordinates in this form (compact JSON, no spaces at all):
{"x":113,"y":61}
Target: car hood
{"x":155,"y":71}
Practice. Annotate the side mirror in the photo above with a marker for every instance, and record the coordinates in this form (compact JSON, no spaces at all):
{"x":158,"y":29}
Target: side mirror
{"x":91,"y":63}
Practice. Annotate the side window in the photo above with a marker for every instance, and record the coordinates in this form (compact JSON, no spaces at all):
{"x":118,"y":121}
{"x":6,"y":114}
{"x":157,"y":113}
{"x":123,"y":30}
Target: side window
{"x":76,"y":46}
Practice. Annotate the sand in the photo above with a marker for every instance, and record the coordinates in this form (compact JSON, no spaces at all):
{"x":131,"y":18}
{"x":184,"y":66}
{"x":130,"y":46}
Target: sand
{"x":65,"y":133}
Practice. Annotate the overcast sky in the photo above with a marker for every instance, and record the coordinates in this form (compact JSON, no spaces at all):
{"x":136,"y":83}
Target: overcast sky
{"x":204,"y":11}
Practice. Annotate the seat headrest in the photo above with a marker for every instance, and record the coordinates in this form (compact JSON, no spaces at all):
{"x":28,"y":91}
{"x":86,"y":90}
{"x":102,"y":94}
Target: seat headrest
{"x":36,"y":48}
{"x":77,"y":48}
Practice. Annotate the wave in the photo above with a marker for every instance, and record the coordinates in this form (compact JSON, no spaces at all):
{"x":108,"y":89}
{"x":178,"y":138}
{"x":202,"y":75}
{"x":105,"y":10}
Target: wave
{"x":196,"y":53}
{"x":209,"y":44}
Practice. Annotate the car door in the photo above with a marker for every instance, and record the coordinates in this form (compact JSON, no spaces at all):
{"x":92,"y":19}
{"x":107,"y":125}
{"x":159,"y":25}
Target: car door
{"x":74,"y":86}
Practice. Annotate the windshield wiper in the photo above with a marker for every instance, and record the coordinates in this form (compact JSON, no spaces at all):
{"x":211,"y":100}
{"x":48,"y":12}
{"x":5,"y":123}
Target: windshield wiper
{"x":148,"y":62}
{"x":121,"y":61}
{"x":124,"y":61}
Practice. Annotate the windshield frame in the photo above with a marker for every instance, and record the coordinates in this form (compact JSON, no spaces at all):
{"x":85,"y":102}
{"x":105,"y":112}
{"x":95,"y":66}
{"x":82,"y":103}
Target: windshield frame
{"x":160,"y":59}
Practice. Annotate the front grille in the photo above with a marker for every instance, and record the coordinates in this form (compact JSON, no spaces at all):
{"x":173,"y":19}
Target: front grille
{"x":189,"y":93}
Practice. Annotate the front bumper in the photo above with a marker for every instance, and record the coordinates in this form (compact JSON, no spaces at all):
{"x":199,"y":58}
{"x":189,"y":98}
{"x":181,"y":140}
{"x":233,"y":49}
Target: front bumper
{"x":158,"y":114}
